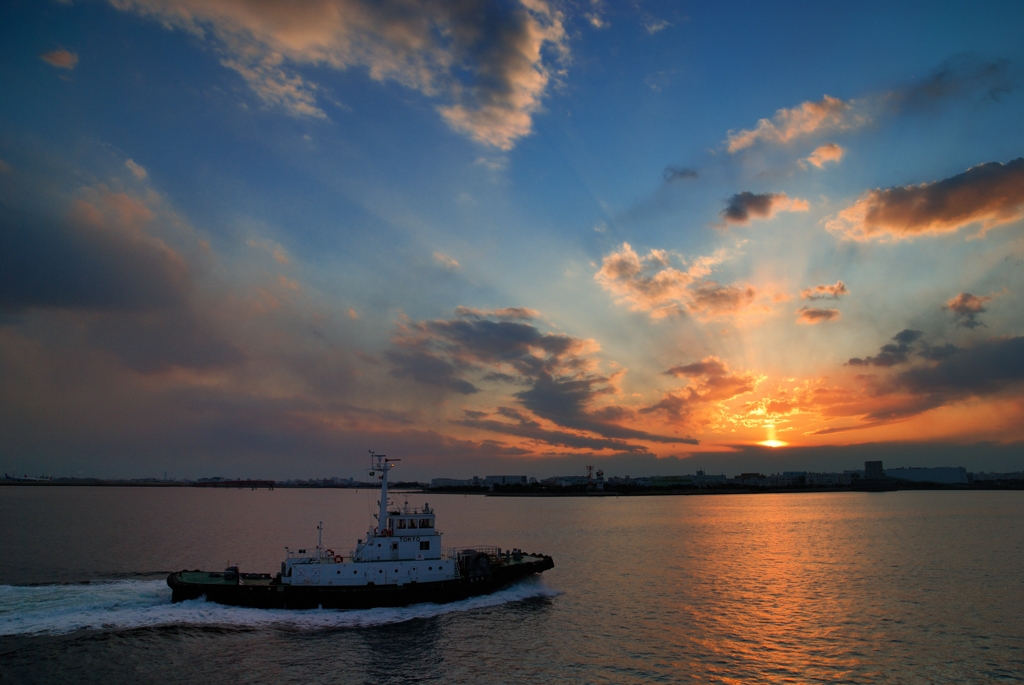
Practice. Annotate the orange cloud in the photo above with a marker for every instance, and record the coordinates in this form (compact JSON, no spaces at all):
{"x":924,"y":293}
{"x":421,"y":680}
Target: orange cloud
{"x":829,"y":152}
{"x":650,"y":284}
{"x":62,"y":59}
{"x":991,"y":194}
{"x":829,"y":114}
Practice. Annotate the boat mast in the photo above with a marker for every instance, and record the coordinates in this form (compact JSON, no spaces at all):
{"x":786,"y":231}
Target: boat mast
{"x":382,"y":464}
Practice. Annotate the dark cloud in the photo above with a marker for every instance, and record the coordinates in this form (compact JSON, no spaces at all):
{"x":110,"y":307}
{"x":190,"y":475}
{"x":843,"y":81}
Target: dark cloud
{"x":526,"y":427}
{"x":673,"y":173}
{"x":562,"y":387}
{"x":990,"y":194}
{"x":897,"y":352}
{"x":741,"y":207}
{"x":711,"y":366}
{"x":77,"y":264}
{"x":429,"y":369}
{"x":825,"y":292}
{"x":983,"y":369}
{"x":814,"y":315}
{"x":966,"y":307}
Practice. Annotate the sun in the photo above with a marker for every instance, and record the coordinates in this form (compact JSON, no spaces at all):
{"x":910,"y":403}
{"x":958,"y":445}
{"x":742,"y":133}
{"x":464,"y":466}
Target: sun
{"x":771,"y":441}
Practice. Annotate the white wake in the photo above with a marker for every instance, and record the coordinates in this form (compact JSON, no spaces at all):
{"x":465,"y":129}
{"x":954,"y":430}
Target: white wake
{"x":129,"y":604}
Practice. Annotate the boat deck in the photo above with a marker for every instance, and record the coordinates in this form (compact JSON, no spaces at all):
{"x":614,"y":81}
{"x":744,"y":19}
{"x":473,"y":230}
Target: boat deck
{"x":213,"y":578}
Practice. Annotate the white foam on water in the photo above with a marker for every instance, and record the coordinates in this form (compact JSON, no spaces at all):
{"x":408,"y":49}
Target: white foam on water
{"x":129,"y":604}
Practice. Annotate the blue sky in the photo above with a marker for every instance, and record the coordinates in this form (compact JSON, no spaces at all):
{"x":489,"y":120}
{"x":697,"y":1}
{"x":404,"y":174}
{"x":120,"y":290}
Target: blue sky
{"x":258,"y":237}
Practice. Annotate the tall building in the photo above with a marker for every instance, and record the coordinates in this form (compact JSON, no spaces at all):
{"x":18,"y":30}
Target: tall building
{"x":873,"y":470}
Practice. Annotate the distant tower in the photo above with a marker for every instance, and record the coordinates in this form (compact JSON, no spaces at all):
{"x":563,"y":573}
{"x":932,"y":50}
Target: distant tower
{"x":873,"y":470}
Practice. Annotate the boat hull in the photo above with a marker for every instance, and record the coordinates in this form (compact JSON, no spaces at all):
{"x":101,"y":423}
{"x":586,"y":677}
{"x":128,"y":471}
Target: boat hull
{"x":275,"y":595}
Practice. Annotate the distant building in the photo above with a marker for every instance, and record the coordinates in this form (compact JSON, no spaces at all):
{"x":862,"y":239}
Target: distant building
{"x":873,"y":470}
{"x":491,"y":481}
{"x":827,"y":479}
{"x":449,"y":483}
{"x":950,"y":475}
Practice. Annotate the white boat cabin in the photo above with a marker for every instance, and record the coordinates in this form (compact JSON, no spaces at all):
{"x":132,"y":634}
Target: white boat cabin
{"x":405,"y":550}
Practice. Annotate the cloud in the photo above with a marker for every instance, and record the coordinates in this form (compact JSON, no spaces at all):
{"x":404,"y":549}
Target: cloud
{"x":594,"y":17}
{"x":893,"y":353}
{"x":710,"y":298}
{"x":986,"y":368}
{"x":991,"y":194}
{"x":97,"y":257}
{"x":958,"y":76}
{"x":562,"y":385}
{"x":825,"y":292}
{"x":275,"y":250}
{"x":674,"y":173}
{"x":505,"y":313}
{"x":62,"y":59}
{"x":829,"y":152}
{"x":966,"y":307}
{"x":654,"y":25}
{"x":710,"y":382}
{"x":445,"y":261}
{"x":741,"y":207}
{"x":828,"y":114}
{"x":488,"y":65}
{"x":812,"y":315}
{"x":650,"y":284}
{"x":136,"y":170}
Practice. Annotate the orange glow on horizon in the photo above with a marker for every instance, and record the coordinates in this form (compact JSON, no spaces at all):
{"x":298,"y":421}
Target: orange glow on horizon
{"x":773,"y":443}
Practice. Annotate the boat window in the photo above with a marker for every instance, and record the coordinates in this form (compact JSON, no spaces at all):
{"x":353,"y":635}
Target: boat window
{"x":426,"y":523}
{"x":412,"y":523}
{"x":401,"y":523}
{"x":425,"y":544}
{"x":394,"y":545}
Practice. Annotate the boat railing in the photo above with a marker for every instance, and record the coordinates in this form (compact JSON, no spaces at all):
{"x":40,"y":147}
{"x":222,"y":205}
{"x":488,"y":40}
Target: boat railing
{"x":461,"y":552}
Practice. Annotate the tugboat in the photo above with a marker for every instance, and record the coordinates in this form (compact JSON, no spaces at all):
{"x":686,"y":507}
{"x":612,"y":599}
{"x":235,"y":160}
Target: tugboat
{"x":400,"y":563}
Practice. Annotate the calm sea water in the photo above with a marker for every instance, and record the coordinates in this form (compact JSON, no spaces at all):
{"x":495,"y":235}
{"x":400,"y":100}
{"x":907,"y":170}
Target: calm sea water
{"x":900,"y":587}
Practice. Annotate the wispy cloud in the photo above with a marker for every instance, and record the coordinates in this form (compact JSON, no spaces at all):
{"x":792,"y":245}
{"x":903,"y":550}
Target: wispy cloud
{"x":137,"y":170}
{"x":446,"y":261}
{"x":991,"y":194}
{"x":653,"y":24}
{"x":488,"y":65}
{"x":673,"y":173}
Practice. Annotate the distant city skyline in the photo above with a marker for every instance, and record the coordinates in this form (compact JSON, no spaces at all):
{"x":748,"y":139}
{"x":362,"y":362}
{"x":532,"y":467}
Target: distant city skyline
{"x":241,"y":236}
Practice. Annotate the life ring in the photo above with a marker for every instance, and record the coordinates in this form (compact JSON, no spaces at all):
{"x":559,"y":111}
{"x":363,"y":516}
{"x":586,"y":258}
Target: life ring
{"x":338,"y":558}
{"x":329,"y":553}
